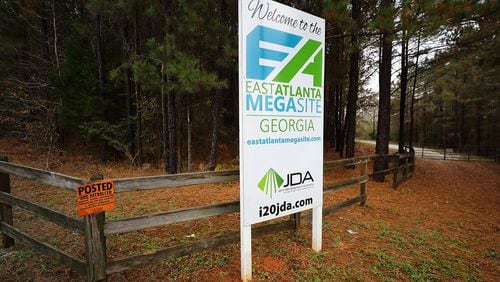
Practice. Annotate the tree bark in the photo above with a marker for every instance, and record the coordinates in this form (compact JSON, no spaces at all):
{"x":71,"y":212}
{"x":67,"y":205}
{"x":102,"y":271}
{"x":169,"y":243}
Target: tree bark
{"x":137,"y":94}
{"x":54,"y":27}
{"x":340,"y":135}
{"x":179,"y":135}
{"x":479,"y":114}
{"x":189,"y":138}
{"x":164,"y":119}
{"x":403,"y":87}
{"x":384,"y":109}
{"x":129,"y":103}
{"x":45,"y":30}
{"x":412,"y":107}
{"x":217,"y":100}
{"x":172,"y":141}
{"x":462,"y":126}
{"x":352,"y":97}
{"x":103,"y":148}
{"x":215,"y":129}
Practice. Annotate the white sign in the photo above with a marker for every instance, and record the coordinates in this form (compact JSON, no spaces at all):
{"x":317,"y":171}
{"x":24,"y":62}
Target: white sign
{"x":281,"y":51}
{"x":281,"y":99}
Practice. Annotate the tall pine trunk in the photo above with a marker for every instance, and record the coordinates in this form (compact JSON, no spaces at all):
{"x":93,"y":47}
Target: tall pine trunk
{"x":172,"y":141}
{"x":217,"y":100}
{"x":164,"y":119}
{"x":129,"y":103}
{"x":215,"y":129}
{"x":54,"y":27}
{"x":384,"y":109}
{"x":103,"y":150}
{"x":412,"y":106}
{"x":339,"y":128}
{"x":403,"y":87}
{"x":189,"y":132}
{"x":479,"y":117}
{"x":352,"y":98}
{"x":137,"y":94}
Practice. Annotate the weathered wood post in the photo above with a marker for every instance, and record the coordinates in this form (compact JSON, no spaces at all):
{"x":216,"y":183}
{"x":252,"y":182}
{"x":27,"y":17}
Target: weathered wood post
{"x":296,"y":217}
{"x":5,"y":209}
{"x":395,"y":172}
{"x":362,"y":186}
{"x":95,"y":243}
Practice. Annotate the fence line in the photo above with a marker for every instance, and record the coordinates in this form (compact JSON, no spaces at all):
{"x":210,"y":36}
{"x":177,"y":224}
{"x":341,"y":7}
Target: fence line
{"x":458,"y":153}
{"x":95,"y":228}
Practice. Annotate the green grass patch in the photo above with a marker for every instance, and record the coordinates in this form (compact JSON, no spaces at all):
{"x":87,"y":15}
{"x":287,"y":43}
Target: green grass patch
{"x":389,"y":268}
{"x":492,"y":254}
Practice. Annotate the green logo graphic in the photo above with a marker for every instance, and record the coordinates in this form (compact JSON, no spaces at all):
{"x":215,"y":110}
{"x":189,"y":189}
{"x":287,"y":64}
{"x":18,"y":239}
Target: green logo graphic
{"x":270,"y":183}
{"x":299,"y":63}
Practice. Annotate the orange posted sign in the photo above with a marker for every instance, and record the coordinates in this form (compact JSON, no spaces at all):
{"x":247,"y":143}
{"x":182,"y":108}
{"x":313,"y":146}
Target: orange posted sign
{"x":95,"y":197}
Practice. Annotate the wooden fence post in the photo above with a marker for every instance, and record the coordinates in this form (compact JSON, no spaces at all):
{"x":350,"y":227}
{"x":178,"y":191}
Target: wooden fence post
{"x":362,"y":186}
{"x":5,"y":209}
{"x":296,"y":217}
{"x":95,"y":243}
{"x":396,"y":171}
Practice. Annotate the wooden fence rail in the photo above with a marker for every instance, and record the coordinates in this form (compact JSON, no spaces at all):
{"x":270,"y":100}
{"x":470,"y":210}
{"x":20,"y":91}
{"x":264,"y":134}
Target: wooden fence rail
{"x":96,"y":229}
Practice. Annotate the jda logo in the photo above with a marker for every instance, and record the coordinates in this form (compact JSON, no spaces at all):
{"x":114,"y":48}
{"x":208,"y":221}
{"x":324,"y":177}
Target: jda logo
{"x":298,"y":178}
{"x":272,"y":181}
{"x":287,"y":44}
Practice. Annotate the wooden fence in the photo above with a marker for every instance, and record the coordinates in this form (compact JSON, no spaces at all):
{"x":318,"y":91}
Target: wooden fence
{"x":95,"y":228}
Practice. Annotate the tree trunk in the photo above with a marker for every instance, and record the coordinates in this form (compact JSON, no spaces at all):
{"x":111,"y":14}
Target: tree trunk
{"x":332,"y":116}
{"x":138,"y":98}
{"x":479,"y":114}
{"x":54,"y":26}
{"x":339,"y":125}
{"x":172,"y":146}
{"x":45,"y":30}
{"x":335,"y":128}
{"x":384,"y":109}
{"x":462,"y":126}
{"x":215,"y":128}
{"x":128,"y":93}
{"x":103,"y":148}
{"x":164,"y":120}
{"x":352,"y":98}
{"x":403,"y":85}
{"x":189,"y":129}
{"x":217,"y":100}
{"x":179,"y":139}
{"x":412,"y":107}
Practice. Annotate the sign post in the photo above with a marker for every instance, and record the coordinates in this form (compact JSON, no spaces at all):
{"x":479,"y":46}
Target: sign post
{"x":281,"y":67}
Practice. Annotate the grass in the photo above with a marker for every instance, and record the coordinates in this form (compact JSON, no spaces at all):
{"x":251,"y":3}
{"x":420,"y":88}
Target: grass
{"x":492,"y":254}
{"x":420,"y":256}
{"x":389,"y":267}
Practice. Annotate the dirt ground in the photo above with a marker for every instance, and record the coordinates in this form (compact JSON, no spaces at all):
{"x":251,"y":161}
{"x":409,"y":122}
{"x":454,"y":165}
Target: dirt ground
{"x":443,"y":224}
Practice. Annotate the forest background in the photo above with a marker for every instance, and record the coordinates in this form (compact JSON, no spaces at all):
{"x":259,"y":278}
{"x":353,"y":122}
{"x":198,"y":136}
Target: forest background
{"x":157,"y":81}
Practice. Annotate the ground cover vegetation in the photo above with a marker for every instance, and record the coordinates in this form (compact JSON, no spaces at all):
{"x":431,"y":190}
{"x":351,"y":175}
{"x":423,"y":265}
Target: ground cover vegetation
{"x":440,"y":225}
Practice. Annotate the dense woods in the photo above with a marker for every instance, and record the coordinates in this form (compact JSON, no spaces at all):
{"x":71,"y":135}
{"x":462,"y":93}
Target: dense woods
{"x":157,"y":81}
